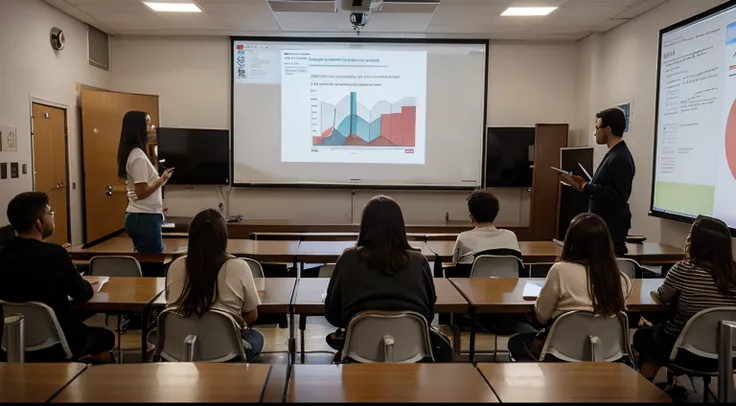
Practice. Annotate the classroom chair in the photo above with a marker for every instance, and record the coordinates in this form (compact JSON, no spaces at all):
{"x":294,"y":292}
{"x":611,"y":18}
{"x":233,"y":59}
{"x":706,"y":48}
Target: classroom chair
{"x":41,"y":328}
{"x":378,"y":336}
{"x":255,"y":267}
{"x":118,"y":265}
{"x":13,"y":329}
{"x":496,"y":266}
{"x":699,"y":337}
{"x":629,"y":267}
{"x":214,"y":337}
{"x":579,"y":336}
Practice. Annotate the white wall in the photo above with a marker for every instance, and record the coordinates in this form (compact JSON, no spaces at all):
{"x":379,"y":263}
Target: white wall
{"x":29,"y":67}
{"x":624,"y":68}
{"x":191,"y":76}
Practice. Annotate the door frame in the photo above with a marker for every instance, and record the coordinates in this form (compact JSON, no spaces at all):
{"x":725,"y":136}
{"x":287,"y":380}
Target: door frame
{"x":65,"y":108}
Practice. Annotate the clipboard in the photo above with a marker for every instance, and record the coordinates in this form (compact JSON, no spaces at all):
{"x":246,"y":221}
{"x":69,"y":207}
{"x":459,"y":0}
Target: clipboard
{"x":587,"y":175}
{"x":560,"y":171}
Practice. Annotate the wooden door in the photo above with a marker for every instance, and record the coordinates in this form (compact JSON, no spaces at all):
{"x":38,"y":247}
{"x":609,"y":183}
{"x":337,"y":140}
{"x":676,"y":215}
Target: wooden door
{"x":50,"y":165}
{"x":104,"y":192}
{"x":548,"y":140}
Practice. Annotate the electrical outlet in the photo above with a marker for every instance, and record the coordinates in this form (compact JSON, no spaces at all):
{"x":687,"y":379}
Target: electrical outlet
{"x":4,"y":170}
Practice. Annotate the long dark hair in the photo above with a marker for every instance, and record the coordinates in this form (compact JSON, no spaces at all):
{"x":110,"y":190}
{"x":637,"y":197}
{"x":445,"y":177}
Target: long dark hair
{"x":382,"y":241}
{"x":133,"y":135}
{"x":709,"y":246}
{"x":207,"y":253}
{"x":588,"y":243}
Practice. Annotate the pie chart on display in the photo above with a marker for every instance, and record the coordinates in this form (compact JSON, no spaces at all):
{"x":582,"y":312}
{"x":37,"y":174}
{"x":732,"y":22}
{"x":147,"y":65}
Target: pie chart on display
{"x":731,"y":140}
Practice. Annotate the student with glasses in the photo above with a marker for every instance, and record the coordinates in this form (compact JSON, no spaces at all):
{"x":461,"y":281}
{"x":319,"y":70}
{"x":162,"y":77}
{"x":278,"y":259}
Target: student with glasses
{"x":32,"y":270}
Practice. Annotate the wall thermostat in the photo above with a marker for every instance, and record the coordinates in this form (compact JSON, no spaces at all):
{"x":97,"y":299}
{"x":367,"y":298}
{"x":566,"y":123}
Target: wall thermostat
{"x":57,"y":39}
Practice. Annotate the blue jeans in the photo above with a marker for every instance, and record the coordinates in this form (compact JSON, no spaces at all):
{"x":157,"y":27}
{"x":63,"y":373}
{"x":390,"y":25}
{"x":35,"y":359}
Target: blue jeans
{"x":253,"y":342}
{"x":145,"y":231}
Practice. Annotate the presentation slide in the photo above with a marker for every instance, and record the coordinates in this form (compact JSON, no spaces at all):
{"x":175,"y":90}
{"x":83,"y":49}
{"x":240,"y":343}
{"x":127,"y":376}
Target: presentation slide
{"x":695,"y":170}
{"x":358,"y":113}
{"x":363,"y":106}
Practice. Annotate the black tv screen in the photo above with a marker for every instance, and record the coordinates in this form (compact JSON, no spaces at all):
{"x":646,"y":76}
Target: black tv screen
{"x":199,"y":157}
{"x":509,"y":156}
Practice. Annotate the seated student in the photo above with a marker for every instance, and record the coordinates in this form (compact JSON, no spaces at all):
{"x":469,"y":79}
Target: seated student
{"x":210,"y":278}
{"x":34,"y":271}
{"x":485,"y":237}
{"x":705,"y":278}
{"x":587,"y":278}
{"x":383,"y":272}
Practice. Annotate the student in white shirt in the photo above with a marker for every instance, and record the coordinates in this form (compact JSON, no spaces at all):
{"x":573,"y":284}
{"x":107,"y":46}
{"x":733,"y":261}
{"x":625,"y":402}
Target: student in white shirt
{"x":210,"y":278}
{"x":587,"y":278}
{"x":144,"y":215}
{"x":483,"y":208}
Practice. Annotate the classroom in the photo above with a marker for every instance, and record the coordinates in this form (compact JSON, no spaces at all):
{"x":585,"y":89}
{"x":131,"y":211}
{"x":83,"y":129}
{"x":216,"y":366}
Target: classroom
{"x":278,"y":201}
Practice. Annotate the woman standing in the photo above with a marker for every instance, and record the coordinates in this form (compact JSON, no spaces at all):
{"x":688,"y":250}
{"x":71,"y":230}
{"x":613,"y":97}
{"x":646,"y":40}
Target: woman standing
{"x":144,"y":215}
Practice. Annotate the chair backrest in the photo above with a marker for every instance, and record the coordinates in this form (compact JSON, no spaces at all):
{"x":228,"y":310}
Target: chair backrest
{"x":41,"y":329}
{"x":217,"y":335}
{"x":628,"y":266}
{"x":495,"y":266}
{"x":255,"y":267}
{"x":326,"y":270}
{"x":114,"y":266}
{"x":579,"y":336}
{"x":375,"y":336}
{"x":700,"y":334}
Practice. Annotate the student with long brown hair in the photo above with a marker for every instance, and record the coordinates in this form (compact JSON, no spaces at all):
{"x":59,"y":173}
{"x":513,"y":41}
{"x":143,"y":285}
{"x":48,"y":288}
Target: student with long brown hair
{"x":586,"y":278}
{"x":144,"y":214}
{"x":382,"y":272}
{"x":210,"y":278}
{"x":705,"y":278}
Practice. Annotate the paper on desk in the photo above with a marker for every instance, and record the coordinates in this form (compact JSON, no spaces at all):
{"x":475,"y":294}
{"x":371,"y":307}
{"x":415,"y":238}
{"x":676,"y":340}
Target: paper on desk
{"x":531,"y":290}
{"x":102,"y":283}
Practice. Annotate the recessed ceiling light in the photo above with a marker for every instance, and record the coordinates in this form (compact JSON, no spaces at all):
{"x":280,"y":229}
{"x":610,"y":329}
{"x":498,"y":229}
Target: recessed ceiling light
{"x":173,"y":7}
{"x":528,"y":11}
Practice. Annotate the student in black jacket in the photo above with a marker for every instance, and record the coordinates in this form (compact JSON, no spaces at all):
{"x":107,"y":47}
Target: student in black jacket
{"x":610,"y":188}
{"x":383,"y":272}
{"x":34,"y":271}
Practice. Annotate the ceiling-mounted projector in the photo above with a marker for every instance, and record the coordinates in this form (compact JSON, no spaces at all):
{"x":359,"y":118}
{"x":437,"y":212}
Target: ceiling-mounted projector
{"x":360,"y":11}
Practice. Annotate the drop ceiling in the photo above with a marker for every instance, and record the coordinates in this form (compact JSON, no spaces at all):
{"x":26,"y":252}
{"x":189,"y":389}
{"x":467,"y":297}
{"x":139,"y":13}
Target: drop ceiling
{"x":573,"y":20}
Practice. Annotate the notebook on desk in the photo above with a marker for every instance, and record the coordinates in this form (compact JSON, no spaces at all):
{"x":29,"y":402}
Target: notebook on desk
{"x":531,"y":290}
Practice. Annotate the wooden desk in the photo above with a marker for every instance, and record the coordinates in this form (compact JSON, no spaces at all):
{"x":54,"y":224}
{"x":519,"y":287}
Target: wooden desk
{"x":35,"y":382}
{"x":168,"y":382}
{"x":343,"y":236}
{"x":121,"y":294}
{"x":263,"y":251}
{"x":547,"y":252}
{"x":275,"y":297}
{"x":281,"y":251}
{"x":388,"y":382}
{"x":123,"y":245}
{"x":532,"y":252}
{"x":505,"y":295}
{"x":567,"y":382}
{"x":329,"y":251}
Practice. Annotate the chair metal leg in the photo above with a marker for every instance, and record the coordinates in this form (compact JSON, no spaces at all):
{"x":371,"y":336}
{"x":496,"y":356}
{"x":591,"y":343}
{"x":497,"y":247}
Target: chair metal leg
{"x":302,"y":328}
{"x":706,"y":388}
{"x":495,"y":347}
{"x":120,"y":343}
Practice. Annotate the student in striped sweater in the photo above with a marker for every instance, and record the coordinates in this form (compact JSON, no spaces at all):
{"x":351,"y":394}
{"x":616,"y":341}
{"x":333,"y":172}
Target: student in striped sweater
{"x":705,"y":279}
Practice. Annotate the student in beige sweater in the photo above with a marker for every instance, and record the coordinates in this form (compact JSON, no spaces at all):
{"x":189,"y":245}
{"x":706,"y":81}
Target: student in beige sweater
{"x":587,"y":278}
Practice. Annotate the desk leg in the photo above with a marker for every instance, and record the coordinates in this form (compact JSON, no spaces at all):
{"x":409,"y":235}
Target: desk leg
{"x":120,"y":341}
{"x":292,"y":339}
{"x":437,"y":267}
{"x":456,"y":341}
{"x":144,"y":332}
{"x":472,"y":335}
{"x":302,"y":328}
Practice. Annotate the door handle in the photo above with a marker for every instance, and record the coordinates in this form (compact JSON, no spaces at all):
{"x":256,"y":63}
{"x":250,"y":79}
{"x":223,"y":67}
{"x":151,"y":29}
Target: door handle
{"x":109,"y":189}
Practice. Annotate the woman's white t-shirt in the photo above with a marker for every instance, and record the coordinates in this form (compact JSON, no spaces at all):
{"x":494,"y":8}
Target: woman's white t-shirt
{"x":139,"y":169}
{"x":236,"y":289}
